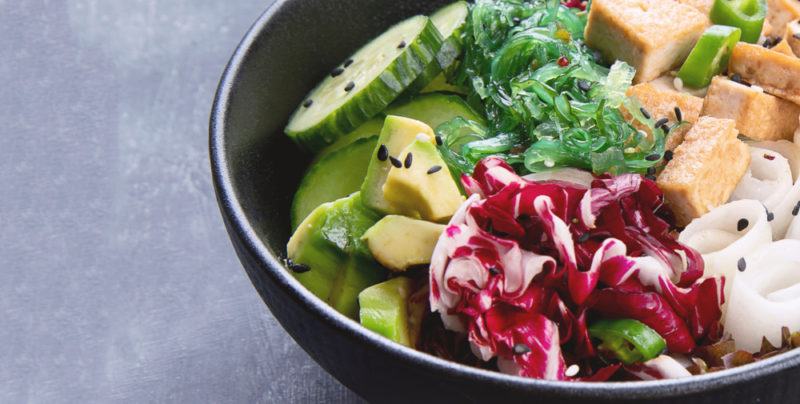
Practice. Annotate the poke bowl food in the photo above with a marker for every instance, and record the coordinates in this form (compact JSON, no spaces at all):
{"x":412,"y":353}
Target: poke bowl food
{"x":603,"y":190}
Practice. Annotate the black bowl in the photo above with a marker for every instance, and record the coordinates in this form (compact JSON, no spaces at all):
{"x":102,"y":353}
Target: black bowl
{"x":256,"y":170}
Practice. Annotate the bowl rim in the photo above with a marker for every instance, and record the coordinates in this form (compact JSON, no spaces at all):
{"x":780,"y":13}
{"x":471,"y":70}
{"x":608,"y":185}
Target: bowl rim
{"x":231,"y":208}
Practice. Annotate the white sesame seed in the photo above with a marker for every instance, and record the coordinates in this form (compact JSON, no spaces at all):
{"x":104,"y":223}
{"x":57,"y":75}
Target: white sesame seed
{"x":423,"y":137}
{"x":678,"y":83}
{"x":549,"y":163}
{"x":572,"y":370}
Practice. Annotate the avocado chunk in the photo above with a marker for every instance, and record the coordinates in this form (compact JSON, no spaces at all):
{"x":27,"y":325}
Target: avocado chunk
{"x":399,"y":242}
{"x":397,"y":133}
{"x":329,"y":257}
{"x":394,"y":310}
{"x":422,"y":187}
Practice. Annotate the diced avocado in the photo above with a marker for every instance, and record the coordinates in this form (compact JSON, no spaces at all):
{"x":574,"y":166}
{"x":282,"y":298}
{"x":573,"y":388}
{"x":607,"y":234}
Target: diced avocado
{"x":384,"y":309}
{"x":422,"y":187}
{"x":338,"y":263}
{"x":399,"y":242}
{"x":397,"y":133}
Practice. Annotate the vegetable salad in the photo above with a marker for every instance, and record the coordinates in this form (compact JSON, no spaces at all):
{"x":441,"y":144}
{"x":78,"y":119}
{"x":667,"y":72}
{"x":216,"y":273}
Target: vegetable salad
{"x":592,"y":191}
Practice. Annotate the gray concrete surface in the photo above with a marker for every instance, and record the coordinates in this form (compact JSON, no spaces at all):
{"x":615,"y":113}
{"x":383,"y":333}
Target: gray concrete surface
{"x":117,"y":280}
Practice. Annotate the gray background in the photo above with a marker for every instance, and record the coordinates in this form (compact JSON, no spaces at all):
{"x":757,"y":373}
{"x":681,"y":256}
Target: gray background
{"x":117,"y":280}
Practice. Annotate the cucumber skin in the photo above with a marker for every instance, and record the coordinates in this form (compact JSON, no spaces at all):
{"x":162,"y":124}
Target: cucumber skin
{"x":377,"y":95}
{"x":452,"y":46}
{"x":319,"y":169}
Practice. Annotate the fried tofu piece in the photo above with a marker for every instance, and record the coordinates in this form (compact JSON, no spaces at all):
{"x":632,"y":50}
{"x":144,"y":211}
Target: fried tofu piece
{"x":775,"y":72}
{"x":705,"y":169}
{"x":758,"y":115}
{"x":644,"y":33}
{"x":792,"y":36}
{"x":703,"y":6}
{"x":781,"y":47}
{"x":780,"y":13}
{"x":660,"y":98}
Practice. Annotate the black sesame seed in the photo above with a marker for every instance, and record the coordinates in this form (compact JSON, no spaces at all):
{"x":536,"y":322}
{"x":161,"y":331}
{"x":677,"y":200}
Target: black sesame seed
{"x":651,"y":171}
{"x":742,"y":224}
{"x":296,"y":267}
{"x":439,"y":141}
{"x":742,"y":264}
{"x":653,"y":157}
{"x":350,"y":86}
{"x":737,"y":78}
{"x":668,"y":155}
{"x":337,"y":72}
{"x":402,"y":45}
{"x":395,"y":162}
{"x":494,"y":271}
{"x":516,"y":20}
{"x":678,"y":114}
{"x":796,"y":209}
{"x":584,"y":85}
{"x":645,"y":113}
{"x":308,"y":103}
{"x":661,"y":122}
{"x":434,"y":169}
{"x":348,"y":62}
{"x":521,"y":349}
{"x":770,"y":216}
{"x":583,"y":238}
{"x":409,"y":159}
{"x":383,"y":153}
{"x":650,"y":177}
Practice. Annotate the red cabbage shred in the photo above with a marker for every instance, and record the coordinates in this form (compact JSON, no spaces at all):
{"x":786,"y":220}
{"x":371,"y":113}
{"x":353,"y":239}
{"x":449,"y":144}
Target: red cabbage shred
{"x":533,"y":263}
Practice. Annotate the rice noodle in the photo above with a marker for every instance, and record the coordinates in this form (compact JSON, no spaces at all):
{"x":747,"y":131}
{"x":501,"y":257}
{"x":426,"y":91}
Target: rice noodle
{"x":765,"y":296}
{"x":770,"y":180}
{"x":716,"y":235}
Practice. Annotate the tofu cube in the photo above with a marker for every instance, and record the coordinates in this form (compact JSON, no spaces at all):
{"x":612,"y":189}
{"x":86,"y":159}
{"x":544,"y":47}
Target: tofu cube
{"x":660,"y":98}
{"x":792,"y":36}
{"x":758,"y":115}
{"x":775,"y":72}
{"x":703,"y":6}
{"x":705,"y":169}
{"x":654,"y":36}
{"x":779,"y":14}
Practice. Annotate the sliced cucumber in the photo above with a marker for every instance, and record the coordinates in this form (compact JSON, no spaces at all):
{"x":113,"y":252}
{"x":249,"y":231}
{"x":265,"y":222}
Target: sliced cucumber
{"x":440,"y":84}
{"x":368,"y":129}
{"x":450,"y":21}
{"x":334,"y":176}
{"x":435,"y":109}
{"x":378,"y":74}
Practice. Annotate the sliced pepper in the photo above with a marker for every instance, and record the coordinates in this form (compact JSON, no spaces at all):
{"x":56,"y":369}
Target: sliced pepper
{"x":748,"y":15}
{"x":628,"y":340}
{"x":710,"y":55}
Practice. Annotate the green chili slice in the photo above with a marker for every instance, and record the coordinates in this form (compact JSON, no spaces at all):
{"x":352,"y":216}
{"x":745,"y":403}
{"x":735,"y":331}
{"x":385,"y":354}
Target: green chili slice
{"x":710,"y":55}
{"x":628,"y":340}
{"x":748,"y":15}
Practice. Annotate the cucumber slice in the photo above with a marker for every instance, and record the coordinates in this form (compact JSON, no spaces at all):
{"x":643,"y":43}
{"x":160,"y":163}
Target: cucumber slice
{"x":368,"y":129}
{"x":435,"y":109}
{"x":378,"y":74}
{"x":450,"y":21}
{"x":440,"y":84}
{"x":334,"y":176}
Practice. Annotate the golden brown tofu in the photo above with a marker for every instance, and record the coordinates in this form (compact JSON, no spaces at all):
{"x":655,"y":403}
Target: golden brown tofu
{"x":705,"y":169}
{"x":783,"y":47}
{"x":703,"y":6}
{"x":779,"y":13}
{"x":758,"y":115}
{"x":775,"y":72}
{"x":660,"y":99}
{"x":644,"y":33}
{"x":792,"y":36}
